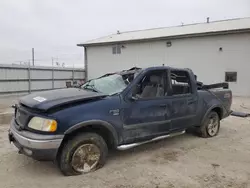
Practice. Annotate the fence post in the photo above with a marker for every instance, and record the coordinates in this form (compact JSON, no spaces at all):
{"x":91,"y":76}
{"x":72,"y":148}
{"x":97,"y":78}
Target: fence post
{"x":73,"y":75}
{"x":29,"y":77}
{"x":53,"y":86}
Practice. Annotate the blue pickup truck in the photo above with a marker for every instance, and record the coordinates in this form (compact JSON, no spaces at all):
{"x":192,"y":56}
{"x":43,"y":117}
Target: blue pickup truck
{"x":76,"y":127}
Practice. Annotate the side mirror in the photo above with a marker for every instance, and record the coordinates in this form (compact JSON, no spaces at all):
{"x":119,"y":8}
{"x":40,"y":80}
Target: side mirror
{"x":132,"y":95}
{"x":133,"y":98}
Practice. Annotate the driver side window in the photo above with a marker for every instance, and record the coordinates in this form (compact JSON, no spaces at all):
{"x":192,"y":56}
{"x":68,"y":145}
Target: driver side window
{"x":151,"y":85}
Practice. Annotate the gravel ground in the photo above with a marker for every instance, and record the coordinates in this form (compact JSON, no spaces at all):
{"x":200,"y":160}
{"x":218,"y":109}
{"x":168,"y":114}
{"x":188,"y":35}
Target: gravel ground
{"x":7,"y":101}
{"x":184,"y":161}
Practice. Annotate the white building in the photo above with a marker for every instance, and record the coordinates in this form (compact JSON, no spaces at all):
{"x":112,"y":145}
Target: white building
{"x":216,"y":51}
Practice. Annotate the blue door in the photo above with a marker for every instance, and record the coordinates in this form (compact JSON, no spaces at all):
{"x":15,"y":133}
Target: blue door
{"x":149,"y":115}
{"x":184,"y":99}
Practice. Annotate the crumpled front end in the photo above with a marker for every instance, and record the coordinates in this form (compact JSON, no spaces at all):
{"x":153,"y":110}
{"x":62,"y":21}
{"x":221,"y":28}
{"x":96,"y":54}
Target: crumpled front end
{"x":37,"y":146}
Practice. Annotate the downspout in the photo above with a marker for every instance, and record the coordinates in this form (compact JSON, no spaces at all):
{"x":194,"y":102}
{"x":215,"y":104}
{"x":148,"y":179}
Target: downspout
{"x":86,"y":63}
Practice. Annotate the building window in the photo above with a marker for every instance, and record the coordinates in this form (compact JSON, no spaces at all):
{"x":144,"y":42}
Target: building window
{"x":169,"y":43}
{"x":116,"y":49}
{"x":231,"y":76}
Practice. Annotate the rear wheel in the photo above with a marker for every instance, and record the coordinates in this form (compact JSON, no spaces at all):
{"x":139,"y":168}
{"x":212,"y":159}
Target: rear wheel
{"x":82,"y":154}
{"x":211,"y":125}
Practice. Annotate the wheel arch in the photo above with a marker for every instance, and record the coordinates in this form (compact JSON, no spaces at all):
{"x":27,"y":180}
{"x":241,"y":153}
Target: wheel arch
{"x":103,"y":128}
{"x":219,"y":111}
{"x":216,"y":108}
{"x":98,"y":126}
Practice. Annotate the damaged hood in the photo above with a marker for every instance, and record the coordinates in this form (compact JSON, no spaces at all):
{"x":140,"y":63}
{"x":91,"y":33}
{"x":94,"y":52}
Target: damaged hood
{"x":55,"y":98}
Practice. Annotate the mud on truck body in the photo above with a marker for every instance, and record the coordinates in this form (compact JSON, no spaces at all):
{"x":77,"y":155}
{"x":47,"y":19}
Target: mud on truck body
{"x":78,"y":126}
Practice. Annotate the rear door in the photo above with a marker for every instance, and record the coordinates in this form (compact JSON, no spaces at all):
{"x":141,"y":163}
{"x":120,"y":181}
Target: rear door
{"x":184,"y":100}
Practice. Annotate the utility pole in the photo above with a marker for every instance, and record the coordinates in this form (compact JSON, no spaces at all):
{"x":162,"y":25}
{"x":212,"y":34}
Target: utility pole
{"x":33,"y":57}
{"x":53,"y":84}
{"x":208,"y":19}
{"x":52,"y":62}
{"x":29,"y":77}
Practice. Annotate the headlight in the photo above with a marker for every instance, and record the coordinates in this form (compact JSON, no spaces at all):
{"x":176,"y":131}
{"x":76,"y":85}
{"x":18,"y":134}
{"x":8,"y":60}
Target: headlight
{"x":43,"y":124}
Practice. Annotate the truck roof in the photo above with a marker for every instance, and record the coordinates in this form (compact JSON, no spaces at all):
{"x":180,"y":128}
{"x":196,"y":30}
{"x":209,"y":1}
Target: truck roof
{"x":137,"y":69}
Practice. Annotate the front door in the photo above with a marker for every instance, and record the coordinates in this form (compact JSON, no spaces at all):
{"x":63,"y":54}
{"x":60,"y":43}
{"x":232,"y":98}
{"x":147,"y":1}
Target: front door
{"x":146,"y":119}
{"x":148,"y":115}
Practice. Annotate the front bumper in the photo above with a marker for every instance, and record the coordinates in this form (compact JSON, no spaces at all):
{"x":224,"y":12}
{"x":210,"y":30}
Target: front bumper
{"x":37,"y":146}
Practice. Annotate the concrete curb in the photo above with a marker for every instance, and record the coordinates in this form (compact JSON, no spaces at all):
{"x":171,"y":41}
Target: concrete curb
{"x":6,"y":117}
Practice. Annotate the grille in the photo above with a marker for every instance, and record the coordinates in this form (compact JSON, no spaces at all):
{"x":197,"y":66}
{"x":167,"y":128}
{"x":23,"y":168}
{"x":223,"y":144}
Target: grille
{"x":21,"y":117}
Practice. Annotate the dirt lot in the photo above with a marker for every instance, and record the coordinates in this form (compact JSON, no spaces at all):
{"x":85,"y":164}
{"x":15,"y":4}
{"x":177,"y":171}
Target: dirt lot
{"x":7,"y":101}
{"x":184,"y":161}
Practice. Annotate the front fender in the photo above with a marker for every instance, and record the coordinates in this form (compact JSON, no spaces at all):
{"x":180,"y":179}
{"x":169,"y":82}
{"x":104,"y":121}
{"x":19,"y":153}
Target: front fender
{"x":105,"y":124}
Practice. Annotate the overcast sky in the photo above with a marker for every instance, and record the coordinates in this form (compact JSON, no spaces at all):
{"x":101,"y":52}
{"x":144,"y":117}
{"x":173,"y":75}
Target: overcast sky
{"x":54,"y":27}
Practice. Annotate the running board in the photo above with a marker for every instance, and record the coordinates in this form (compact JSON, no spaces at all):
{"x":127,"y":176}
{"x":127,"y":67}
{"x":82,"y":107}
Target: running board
{"x":129,"y":146}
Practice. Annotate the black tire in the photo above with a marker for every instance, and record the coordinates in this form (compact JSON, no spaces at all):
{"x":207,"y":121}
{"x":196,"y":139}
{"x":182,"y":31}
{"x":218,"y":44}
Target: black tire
{"x":65,"y":157}
{"x":204,"y":130}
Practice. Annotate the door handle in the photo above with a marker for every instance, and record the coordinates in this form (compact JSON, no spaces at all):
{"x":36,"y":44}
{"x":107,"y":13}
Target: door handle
{"x":163,"y":105}
{"x":191,"y":101}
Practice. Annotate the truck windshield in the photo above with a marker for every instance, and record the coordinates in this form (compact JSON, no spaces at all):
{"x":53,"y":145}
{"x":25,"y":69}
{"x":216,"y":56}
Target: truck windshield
{"x":108,"y":85}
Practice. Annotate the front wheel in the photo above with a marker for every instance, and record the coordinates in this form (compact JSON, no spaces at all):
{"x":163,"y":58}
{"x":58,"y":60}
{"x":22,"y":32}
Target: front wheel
{"x":82,"y":154}
{"x":211,"y":125}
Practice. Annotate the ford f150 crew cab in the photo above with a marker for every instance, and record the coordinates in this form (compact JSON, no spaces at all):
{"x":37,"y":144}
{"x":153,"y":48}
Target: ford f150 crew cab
{"x":77,"y":126}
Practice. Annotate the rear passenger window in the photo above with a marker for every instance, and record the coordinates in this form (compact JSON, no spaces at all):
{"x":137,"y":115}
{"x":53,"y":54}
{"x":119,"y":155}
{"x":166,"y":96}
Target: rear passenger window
{"x":180,"y":82}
